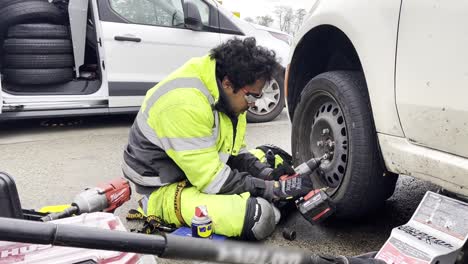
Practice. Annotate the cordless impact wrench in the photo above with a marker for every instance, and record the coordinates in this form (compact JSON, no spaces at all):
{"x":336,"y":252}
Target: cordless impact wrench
{"x":316,"y":206}
{"x":105,"y":198}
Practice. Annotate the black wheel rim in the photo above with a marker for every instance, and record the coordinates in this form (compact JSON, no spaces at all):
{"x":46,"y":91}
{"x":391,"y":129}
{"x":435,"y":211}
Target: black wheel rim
{"x":328,"y":135}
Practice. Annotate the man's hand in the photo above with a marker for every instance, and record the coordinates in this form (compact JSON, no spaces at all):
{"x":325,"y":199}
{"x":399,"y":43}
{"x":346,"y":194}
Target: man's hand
{"x":281,"y":171}
{"x":288,"y":187}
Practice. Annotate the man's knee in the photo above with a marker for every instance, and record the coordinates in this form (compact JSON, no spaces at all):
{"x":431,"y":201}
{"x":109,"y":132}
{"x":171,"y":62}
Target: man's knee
{"x":260,"y":219}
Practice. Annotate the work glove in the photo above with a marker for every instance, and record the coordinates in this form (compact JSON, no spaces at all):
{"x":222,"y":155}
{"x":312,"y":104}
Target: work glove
{"x":288,"y":187}
{"x":281,"y":171}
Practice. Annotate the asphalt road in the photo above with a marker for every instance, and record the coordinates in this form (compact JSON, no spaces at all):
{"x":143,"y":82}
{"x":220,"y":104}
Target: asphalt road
{"x":52,"y":160}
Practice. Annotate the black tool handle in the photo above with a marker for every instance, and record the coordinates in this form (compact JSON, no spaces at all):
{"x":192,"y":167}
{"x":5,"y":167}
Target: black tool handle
{"x":170,"y":246}
{"x":125,"y":38}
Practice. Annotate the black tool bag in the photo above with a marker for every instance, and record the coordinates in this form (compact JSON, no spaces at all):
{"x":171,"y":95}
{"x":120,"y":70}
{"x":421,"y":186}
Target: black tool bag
{"x":9,"y":200}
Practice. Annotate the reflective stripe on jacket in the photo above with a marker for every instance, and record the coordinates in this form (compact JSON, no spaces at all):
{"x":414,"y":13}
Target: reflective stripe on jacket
{"x":177,"y":134}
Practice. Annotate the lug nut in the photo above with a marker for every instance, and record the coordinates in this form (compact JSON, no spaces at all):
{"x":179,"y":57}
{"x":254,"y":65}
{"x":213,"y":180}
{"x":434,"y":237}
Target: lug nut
{"x":319,"y":143}
{"x":289,"y":234}
{"x":326,"y":131}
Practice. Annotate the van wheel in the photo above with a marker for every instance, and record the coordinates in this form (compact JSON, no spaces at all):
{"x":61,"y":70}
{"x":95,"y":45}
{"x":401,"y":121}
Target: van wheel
{"x":270,"y":105}
{"x":32,"y":61}
{"x":38,"y":76}
{"x":38,"y":46}
{"x":29,"y":11}
{"x":334,"y":116}
{"x":39,"y":31}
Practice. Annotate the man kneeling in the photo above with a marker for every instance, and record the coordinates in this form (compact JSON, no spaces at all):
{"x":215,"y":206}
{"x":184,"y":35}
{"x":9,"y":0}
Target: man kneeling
{"x":186,"y":147}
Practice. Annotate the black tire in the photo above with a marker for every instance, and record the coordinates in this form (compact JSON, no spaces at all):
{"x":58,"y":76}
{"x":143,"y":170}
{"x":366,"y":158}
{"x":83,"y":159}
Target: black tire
{"x":257,"y":115}
{"x":29,"y":11}
{"x":38,"y":46}
{"x":5,"y":3}
{"x":38,"y":76}
{"x":335,"y":108}
{"x":28,"y":61}
{"x":39,"y":31}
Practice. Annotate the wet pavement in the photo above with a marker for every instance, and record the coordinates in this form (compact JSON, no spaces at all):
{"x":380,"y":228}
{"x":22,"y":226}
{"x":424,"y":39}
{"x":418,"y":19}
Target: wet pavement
{"x":52,"y":160}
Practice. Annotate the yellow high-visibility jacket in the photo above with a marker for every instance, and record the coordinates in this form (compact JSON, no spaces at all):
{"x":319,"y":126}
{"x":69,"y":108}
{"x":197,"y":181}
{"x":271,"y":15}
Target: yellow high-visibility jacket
{"x":180,"y":133}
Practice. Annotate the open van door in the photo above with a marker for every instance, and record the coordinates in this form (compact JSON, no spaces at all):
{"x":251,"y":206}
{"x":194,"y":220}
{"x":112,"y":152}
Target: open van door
{"x":144,"y":41}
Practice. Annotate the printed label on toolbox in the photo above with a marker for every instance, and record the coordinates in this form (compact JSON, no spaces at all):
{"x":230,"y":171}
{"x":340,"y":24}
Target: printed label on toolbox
{"x":425,"y":237}
{"x":444,"y":214}
{"x":396,"y":251}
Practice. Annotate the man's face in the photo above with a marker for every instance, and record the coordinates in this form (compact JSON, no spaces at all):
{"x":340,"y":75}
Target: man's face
{"x":245,"y":97}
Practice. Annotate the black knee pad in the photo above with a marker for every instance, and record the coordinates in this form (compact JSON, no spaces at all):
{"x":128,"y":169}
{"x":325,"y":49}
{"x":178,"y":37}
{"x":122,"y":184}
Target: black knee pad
{"x":260,"y":219}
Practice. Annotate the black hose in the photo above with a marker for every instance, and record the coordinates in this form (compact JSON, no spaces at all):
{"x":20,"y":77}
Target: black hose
{"x":170,"y":246}
{"x":79,"y":236}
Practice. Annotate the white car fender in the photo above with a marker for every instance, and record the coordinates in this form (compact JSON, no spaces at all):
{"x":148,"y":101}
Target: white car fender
{"x":375,"y":44}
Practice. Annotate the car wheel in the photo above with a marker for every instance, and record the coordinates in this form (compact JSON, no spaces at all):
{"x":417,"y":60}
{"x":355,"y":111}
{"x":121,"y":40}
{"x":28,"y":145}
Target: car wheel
{"x":334,"y":117}
{"x":270,"y":105}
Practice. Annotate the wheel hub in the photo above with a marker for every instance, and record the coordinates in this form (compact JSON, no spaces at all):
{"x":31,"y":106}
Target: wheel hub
{"x":269,"y":100}
{"x":329,"y":136}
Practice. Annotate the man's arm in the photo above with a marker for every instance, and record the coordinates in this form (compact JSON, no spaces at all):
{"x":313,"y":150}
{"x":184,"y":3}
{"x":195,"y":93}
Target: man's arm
{"x":186,"y":131}
{"x":247,"y":162}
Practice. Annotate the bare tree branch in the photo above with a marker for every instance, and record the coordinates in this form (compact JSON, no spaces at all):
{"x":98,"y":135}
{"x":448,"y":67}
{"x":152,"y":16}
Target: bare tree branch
{"x":265,"y":20}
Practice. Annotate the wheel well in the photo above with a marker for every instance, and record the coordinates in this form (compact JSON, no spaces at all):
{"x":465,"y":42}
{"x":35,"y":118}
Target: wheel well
{"x":323,"y":49}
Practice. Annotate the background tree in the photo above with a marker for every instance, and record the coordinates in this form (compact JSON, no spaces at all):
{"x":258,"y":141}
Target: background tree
{"x":299,"y":18}
{"x":249,"y":19}
{"x":285,"y":15}
{"x":265,"y":20}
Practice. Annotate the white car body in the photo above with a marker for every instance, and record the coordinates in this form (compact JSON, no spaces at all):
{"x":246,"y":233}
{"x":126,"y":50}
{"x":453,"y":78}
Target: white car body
{"x":129,"y":69}
{"x":413,"y":56}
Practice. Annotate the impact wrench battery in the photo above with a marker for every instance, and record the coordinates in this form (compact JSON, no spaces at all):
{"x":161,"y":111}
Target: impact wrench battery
{"x":316,"y":206}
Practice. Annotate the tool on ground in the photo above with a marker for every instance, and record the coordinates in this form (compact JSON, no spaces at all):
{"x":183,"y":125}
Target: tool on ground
{"x":152,"y":224}
{"x":104,"y":198}
{"x":202,"y":226}
{"x":289,"y":234}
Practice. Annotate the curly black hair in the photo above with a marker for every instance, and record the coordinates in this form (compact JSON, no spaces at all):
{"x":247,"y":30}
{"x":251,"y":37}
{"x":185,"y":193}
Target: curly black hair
{"x":243,"y":62}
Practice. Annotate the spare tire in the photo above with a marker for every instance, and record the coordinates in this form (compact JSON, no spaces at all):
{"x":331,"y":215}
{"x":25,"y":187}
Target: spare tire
{"x":27,"y":61}
{"x":5,"y":3}
{"x":29,"y":11}
{"x":38,"y":76}
{"x":39,"y":31}
{"x":38,"y":46}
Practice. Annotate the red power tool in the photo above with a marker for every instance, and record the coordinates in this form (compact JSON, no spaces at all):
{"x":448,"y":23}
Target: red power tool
{"x":104,"y":198}
{"x":316,"y":206}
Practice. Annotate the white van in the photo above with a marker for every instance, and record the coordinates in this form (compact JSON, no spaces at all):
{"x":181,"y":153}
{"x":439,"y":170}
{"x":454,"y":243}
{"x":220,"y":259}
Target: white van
{"x":86,"y":57}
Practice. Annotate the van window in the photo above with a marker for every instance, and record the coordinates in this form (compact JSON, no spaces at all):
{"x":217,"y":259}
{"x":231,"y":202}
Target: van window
{"x":150,"y":12}
{"x":204,"y":11}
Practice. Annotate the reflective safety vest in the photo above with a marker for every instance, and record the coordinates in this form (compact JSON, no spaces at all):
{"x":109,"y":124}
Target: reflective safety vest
{"x":178,"y":134}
